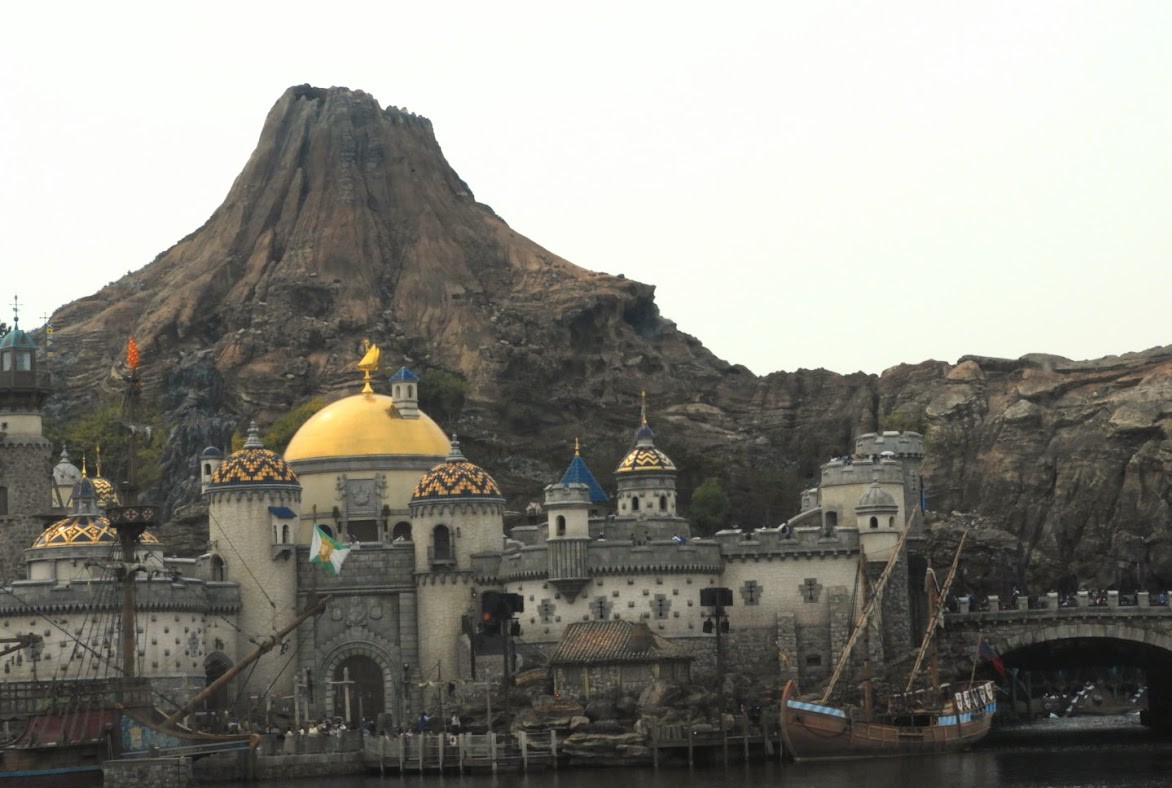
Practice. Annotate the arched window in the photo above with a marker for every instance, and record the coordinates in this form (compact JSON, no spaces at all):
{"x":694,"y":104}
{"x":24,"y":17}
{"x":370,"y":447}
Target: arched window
{"x":410,"y":391}
{"x":874,"y":522}
{"x":274,"y":533}
{"x":831,"y":520}
{"x":396,"y":391}
{"x":402,"y":530}
{"x":217,"y":568}
{"x":561,"y":526}
{"x":285,"y":534}
{"x":890,"y":522}
{"x":207,"y":469}
{"x":441,"y":544}
{"x":634,"y":504}
{"x":663,"y":503}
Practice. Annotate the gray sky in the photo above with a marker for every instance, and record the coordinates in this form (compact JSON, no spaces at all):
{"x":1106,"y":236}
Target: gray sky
{"x":808,"y":184}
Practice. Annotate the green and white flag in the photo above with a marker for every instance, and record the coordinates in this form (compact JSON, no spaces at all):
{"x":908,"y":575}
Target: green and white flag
{"x":327,"y":551}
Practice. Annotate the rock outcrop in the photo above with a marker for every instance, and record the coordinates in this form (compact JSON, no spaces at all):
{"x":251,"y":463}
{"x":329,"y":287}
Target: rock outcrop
{"x":347,"y":222}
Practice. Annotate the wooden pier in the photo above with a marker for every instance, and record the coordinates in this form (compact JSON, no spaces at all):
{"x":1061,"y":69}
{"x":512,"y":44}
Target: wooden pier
{"x":464,"y":752}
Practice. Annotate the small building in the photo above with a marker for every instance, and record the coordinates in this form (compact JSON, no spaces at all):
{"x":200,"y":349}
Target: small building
{"x":601,"y":657}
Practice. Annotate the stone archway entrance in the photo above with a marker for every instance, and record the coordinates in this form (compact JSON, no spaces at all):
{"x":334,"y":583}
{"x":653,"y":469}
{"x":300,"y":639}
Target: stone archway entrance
{"x":366,"y":688}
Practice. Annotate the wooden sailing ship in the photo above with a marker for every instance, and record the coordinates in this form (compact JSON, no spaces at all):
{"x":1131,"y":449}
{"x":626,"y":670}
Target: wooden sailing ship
{"x":937,"y":719}
{"x":72,"y":727}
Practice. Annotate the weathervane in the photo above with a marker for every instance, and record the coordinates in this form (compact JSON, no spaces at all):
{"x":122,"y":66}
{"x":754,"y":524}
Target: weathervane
{"x":368,"y":364}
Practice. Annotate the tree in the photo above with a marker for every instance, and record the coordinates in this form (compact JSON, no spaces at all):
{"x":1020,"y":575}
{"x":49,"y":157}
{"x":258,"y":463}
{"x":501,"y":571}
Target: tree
{"x":709,"y":509}
{"x":442,"y":394}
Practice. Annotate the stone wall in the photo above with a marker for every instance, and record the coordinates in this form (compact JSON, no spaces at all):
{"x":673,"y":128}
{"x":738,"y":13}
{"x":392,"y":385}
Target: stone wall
{"x":25,"y":473}
{"x":148,"y":773}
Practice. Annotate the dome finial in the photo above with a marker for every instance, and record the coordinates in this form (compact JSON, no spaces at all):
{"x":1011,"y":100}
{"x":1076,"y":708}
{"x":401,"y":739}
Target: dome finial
{"x":455,"y":453}
{"x":83,"y":464}
{"x":254,"y":441}
{"x":643,"y":408}
{"x":15,"y":312}
{"x":368,"y":364}
{"x":98,"y":461}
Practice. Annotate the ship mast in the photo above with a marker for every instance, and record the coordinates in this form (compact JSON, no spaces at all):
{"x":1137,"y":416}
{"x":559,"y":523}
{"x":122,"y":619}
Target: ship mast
{"x":864,"y":617}
{"x":936,"y":597}
{"x":130,"y":519}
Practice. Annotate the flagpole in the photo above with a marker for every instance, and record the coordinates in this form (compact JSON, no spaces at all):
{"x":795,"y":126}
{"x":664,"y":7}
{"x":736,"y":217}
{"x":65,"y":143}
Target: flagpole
{"x":976,"y":657}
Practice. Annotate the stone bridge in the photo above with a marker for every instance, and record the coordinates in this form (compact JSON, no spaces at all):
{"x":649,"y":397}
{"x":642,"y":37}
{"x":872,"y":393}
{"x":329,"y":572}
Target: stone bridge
{"x":1050,"y":634}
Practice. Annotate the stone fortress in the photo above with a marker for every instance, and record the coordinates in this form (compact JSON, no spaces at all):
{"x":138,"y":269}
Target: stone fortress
{"x":428,"y":530}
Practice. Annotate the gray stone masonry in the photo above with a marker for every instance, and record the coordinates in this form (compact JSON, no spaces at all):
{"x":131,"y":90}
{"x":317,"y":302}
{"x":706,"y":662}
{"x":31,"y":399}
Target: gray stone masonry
{"x":148,"y":773}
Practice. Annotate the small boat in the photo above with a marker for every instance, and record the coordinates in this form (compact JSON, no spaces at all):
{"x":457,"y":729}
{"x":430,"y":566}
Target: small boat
{"x":935,"y":720}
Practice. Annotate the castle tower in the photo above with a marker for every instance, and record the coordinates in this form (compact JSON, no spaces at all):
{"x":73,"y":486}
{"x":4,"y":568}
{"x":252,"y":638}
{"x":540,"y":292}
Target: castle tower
{"x":253,"y":498}
{"x":568,"y":507}
{"x":880,"y":524}
{"x":65,"y":476}
{"x":646,"y":477}
{"x":25,"y":481}
{"x":457,"y":511}
{"x":904,"y":448}
{"x":405,"y":392}
{"x":209,"y":459}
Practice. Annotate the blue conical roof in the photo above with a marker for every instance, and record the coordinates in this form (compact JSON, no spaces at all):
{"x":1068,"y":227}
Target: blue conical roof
{"x":578,"y":473}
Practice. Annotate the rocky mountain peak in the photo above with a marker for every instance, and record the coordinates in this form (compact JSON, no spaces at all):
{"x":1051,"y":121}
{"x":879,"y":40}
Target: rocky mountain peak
{"x":348,"y":223}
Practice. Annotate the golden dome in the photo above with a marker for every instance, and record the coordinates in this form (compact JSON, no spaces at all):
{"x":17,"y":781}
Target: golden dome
{"x":365,"y":425}
{"x":83,"y":529}
{"x":455,"y":477}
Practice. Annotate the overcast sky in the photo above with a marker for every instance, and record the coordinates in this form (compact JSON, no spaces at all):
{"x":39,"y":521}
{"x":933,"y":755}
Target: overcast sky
{"x":808,"y":184}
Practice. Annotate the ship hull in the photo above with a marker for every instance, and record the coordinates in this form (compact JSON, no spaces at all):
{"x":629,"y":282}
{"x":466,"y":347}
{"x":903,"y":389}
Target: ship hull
{"x":816,"y":732}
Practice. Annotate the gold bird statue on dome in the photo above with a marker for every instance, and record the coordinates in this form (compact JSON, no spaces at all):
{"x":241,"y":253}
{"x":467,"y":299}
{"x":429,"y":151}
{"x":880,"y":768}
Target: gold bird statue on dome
{"x":368,"y":364}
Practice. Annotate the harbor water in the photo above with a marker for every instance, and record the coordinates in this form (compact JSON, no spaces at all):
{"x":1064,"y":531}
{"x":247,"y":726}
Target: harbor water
{"x":1083,"y":752}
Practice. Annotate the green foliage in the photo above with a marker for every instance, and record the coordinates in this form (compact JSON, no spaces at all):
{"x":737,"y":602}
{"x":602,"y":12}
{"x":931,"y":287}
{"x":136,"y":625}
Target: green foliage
{"x":442,"y":394}
{"x":902,"y":421}
{"x":709,"y":509}
{"x":282,"y":430}
{"x":102,"y":427}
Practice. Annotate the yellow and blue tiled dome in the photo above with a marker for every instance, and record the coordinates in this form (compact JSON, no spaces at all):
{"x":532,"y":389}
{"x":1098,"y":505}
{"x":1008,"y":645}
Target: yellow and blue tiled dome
{"x":83,"y":529}
{"x":456,"y":477}
{"x":254,"y":465}
{"x":104,"y":492}
{"x":645,"y":458}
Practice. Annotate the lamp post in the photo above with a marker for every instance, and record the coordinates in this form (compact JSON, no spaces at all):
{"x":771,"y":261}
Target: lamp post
{"x":403,"y":705}
{"x":716,"y":621}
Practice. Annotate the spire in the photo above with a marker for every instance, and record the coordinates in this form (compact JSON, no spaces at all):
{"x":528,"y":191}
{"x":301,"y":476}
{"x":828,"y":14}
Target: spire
{"x":254,"y":441}
{"x":455,"y":455}
{"x":577,"y":448}
{"x":15,"y":312}
{"x":83,"y":464}
{"x":643,"y":435}
{"x":98,"y":461}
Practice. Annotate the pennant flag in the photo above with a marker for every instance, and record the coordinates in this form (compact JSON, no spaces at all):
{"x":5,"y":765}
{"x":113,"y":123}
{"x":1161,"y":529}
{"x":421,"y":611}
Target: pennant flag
{"x":132,"y":353}
{"x":327,"y":551}
{"x":986,"y":652}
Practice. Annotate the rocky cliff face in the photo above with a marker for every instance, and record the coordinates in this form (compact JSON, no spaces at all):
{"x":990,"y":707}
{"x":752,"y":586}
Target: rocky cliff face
{"x":347,"y":222}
